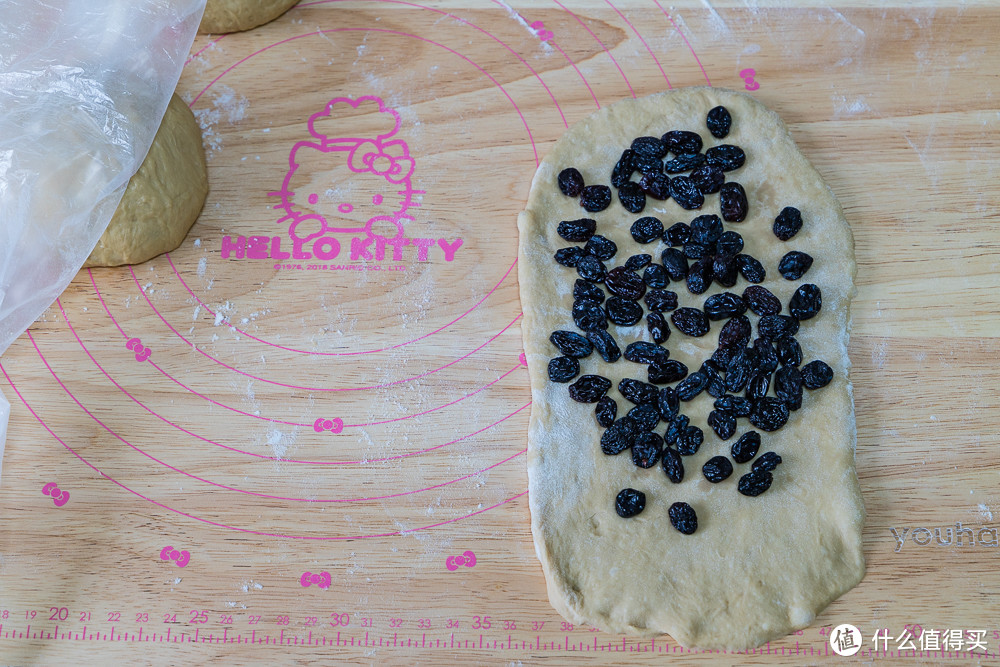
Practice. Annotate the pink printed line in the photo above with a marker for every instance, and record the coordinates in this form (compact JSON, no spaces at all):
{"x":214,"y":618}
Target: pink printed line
{"x":339,"y":354}
{"x":203,"y":480}
{"x":391,"y":32}
{"x":234,"y":528}
{"x":281,"y":421}
{"x":598,"y":40}
{"x":648,"y":50}
{"x":690,"y":48}
{"x":202,"y":49}
{"x":291,"y":386}
{"x":240,"y":451}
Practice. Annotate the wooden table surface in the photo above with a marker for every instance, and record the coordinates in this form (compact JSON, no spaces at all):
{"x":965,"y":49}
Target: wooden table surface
{"x":238,"y":454}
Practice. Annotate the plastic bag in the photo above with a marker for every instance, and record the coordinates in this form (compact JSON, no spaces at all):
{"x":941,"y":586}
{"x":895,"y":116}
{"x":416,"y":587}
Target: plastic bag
{"x":83,"y":87}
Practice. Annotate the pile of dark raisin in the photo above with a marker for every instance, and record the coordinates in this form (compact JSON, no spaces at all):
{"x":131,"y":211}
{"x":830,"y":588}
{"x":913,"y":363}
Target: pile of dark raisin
{"x":758,"y":377}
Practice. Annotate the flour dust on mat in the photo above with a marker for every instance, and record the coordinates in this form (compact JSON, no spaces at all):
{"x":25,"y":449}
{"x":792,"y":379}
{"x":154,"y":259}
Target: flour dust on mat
{"x":686,"y":278}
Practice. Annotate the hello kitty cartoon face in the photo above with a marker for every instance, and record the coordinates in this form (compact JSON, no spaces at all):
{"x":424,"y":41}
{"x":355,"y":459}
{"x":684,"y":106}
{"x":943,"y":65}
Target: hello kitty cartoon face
{"x":349,"y":184}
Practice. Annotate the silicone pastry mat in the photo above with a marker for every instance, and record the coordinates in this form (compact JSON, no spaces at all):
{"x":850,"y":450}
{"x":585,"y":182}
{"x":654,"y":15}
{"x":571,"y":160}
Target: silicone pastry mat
{"x":287,"y":441}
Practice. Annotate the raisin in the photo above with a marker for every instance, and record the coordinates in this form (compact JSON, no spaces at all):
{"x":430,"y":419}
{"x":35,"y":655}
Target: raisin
{"x":718,"y":122}
{"x":623,"y":312}
{"x":605,"y":345}
{"x":682,"y":141}
{"x":788,"y":386}
{"x":693,"y":250}
{"x":591,"y":268}
{"x":683,"y":518}
{"x":806,"y":302}
{"x":690,"y":441}
{"x":668,"y":403}
{"x":716,"y":383}
{"x":569,"y":256}
{"x":677,"y":426}
{"x":636,"y":262}
{"x":625,"y":283}
{"x":723,"y":423}
{"x":646,"y":230}
{"x":601,"y":248}
{"x":724,"y":269}
{"x":656,"y":186}
{"x":730,"y":243}
{"x":673,"y":466}
{"x":717,"y":469}
{"x":789,"y":351}
{"x":665,"y":372}
{"x":571,"y":344}
{"x":637,"y":392}
{"x":755,"y":483}
{"x":751,"y":269}
{"x":767,"y":462}
{"x":708,"y":178}
{"x":632,"y":197}
{"x":706,"y":230}
{"x":758,"y":384}
{"x":726,"y":156}
{"x":733,"y":202}
{"x":674,"y":263}
{"x":622,"y":171}
{"x":650,"y":147}
{"x":738,"y":371}
{"x":595,"y":198}
{"x":655,"y":276}
{"x":724,"y":305}
{"x":690,"y":321}
{"x":659,"y":300}
{"x":646,"y":450}
{"x":735,"y":332}
{"x":584,"y":289}
{"x":619,"y":436}
{"x":686,"y":193}
{"x":657,"y":326}
{"x":774,"y":326}
{"x":794,"y":265}
{"x":630,"y":502}
{"x":646,"y":416}
{"x":589,"y":388}
{"x":677,"y":234}
{"x":722,"y":355}
{"x":761,"y":301}
{"x":570,"y":182}
{"x":699,"y":277}
{"x":765,"y":359}
{"x":684,"y":162}
{"x":816,"y":374}
{"x":589,"y":316}
{"x":769,"y":414}
{"x":737,"y":406}
{"x":745,"y":448}
{"x":563,"y":369}
{"x":606,"y":411}
{"x":647,"y":166}
{"x":788,"y":223}
{"x":577,"y":230}
{"x":692,"y":385}
{"x":641,"y":352}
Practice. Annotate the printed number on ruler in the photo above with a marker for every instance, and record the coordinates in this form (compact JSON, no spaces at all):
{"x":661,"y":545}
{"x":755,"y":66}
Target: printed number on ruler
{"x":135,"y":345}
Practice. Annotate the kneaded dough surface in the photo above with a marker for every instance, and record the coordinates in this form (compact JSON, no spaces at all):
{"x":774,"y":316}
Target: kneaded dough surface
{"x":163,"y":198}
{"x":756,"y":568}
{"x":224,"y":16}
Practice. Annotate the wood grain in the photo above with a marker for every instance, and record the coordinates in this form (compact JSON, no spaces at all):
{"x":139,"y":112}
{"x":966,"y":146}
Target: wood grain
{"x":209,"y":445}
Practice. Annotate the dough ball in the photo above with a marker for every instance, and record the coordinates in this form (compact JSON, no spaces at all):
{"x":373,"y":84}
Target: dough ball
{"x":164,"y":197}
{"x":222,"y":16}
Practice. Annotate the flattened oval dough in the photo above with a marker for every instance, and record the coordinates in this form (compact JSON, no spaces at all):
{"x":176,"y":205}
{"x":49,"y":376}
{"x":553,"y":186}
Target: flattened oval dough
{"x":756,"y":568}
{"x":163,"y":198}
{"x":224,"y":16}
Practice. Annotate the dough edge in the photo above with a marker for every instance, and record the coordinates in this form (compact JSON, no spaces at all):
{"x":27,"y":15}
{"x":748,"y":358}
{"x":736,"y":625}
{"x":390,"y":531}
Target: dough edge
{"x":564,"y":595}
